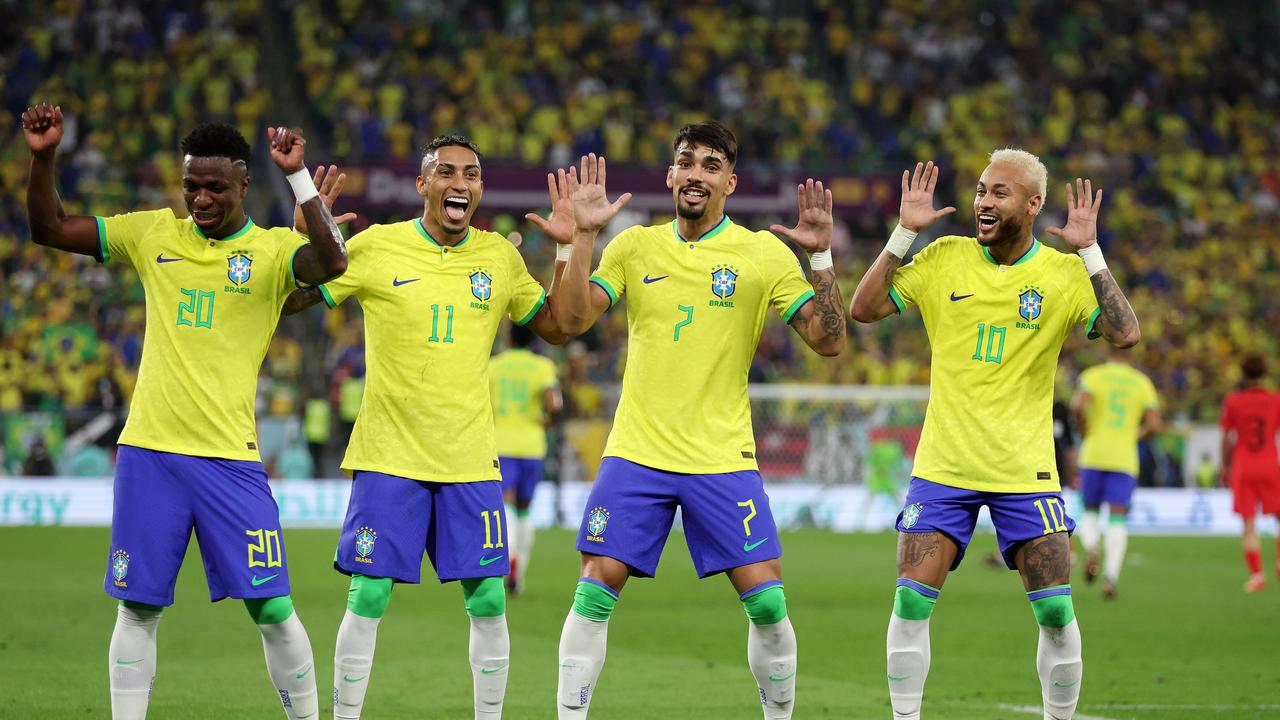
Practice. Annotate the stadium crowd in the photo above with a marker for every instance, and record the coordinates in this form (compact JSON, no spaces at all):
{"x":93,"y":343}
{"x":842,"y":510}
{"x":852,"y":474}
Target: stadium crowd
{"x":1174,"y":110}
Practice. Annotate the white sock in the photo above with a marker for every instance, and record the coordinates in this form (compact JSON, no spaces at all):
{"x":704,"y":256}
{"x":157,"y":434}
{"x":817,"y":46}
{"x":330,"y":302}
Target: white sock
{"x":1061,"y":669}
{"x":490,"y":654}
{"x":1089,"y":533}
{"x":290,"y":666}
{"x":908,"y":654}
{"x":582,"y":648}
{"x":524,"y":541}
{"x":131,"y":662}
{"x":514,"y":548}
{"x":1117,"y":540}
{"x":771,"y":653}
{"x":352,"y":664}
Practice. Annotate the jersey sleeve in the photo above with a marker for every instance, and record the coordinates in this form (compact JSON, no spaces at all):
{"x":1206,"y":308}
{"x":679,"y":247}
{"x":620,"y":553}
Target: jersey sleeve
{"x":361,"y":252}
{"x":120,"y":236}
{"x":1152,"y":399}
{"x":789,"y":289}
{"x":527,"y":295}
{"x":912,"y":280}
{"x":1084,"y":304}
{"x":549,"y":378}
{"x":611,"y":275}
{"x":290,"y":243}
{"x":1226,"y":421}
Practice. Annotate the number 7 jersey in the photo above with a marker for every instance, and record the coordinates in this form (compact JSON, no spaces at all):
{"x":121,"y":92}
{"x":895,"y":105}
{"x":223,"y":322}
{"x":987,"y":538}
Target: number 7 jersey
{"x":695,"y":310}
{"x":995,"y":332}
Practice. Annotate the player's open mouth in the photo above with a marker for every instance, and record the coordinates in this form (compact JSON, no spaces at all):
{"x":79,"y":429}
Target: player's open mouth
{"x":455,"y":208}
{"x":693,"y":196}
{"x":206,"y":219}
{"x":987,"y":223}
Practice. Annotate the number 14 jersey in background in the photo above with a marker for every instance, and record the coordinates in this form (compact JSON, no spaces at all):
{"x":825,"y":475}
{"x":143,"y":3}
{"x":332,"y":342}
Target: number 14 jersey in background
{"x":695,"y":310}
{"x":430,"y":316}
{"x":995,"y":332}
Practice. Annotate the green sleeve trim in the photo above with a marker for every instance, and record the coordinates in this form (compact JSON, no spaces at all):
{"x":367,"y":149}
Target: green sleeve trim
{"x":542,"y":299}
{"x":805,"y":297}
{"x":1093,"y":333}
{"x":104,"y":253}
{"x":293,"y":273}
{"x":608,"y":289}
{"x":328,"y":299}
{"x":897,"y":299}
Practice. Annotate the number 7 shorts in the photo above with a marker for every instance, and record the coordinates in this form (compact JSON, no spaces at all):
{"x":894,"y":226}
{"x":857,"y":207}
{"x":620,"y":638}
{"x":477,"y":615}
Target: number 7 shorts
{"x":727,"y":520}
{"x":1018,"y":517}
{"x":160,"y":497}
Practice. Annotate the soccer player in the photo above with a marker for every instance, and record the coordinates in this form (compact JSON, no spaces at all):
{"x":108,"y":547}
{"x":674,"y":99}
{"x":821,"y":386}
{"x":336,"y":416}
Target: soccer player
{"x":1250,"y":465}
{"x":188,"y":456}
{"x":997,"y":308}
{"x":526,"y":397}
{"x":698,"y":289}
{"x":1115,"y":409}
{"x":422,"y":455}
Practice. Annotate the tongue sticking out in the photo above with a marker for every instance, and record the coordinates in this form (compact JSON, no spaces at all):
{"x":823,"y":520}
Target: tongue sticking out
{"x":455,"y":212}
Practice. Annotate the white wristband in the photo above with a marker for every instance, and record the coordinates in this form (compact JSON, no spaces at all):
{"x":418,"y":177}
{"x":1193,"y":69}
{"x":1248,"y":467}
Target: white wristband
{"x":900,"y":241}
{"x":563,"y":252}
{"x":1094,"y":263}
{"x":304,"y":188}
{"x":820,"y":260}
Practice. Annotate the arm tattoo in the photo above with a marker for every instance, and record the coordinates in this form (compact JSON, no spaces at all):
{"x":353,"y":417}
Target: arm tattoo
{"x":1046,"y":561}
{"x":1120,"y":320}
{"x":828,"y":303}
{"x":915,"y":548}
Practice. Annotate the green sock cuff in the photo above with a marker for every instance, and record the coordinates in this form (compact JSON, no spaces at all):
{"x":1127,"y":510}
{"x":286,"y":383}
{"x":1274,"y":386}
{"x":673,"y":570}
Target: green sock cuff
{"x":141,"y":606}
{"x":522,"y":513}
{"x":1118,"y":519}
{"x":368,"y":597}
{"x":1052,"y":606}
{"x":484,"y":597}
{"x":767,"y":607}
{"x":593,"y":600}
{"x":914,"y":600}
{"x":269,"y":611}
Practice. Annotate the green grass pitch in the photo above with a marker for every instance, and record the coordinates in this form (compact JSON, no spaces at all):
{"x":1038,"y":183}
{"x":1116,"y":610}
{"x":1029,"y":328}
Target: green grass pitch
{"x":1183,"y":640}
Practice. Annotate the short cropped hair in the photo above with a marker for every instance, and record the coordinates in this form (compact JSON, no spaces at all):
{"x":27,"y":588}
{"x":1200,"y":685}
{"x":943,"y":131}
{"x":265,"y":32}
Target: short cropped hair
{"x":450,"y":141}
{"x":216,"y":140}
{"x":1037,"y":176}
{"x":710,"y":134}
{"x":521,"y":336}
{"x":1254,"y":367}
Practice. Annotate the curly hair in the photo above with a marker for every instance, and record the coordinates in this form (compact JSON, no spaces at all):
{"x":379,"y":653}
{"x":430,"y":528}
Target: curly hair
{"x":216,"y":140}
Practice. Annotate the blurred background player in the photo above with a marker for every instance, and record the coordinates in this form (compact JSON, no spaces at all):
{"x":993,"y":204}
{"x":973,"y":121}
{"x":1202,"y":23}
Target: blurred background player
{"x":188,"y":455}
{"x":698,"y":290}
{"x":526,"y":398}
{"x":1115,"y":409}
{"x":1250,"y":420}
{"x":422,"y":455}
{"x":997,"y":308}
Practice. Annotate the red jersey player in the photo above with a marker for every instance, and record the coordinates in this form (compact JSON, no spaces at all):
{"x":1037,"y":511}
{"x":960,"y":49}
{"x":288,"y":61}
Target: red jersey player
{"x":1250,"y":465}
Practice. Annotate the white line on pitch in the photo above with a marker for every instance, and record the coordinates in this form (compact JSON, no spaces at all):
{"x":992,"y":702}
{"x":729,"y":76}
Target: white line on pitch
{"x":1209,"y":706}
{"x":1037,"y":710}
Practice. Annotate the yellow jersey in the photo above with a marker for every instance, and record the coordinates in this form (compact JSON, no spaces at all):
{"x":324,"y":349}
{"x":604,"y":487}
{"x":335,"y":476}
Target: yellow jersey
{"x":995,"y":332}
{"x":695,"y":310}
{"x":518,"y":381}
{"x":212,"y":306}
{"x":430,"y":316}
{"x":1119,"y":397}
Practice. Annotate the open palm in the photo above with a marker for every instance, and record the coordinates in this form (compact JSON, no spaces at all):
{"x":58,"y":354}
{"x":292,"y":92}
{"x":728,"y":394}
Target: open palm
{"x":1081,"y":229}
{"x":916,"y":211}
{"x":813,"y":229}
{"x":558,"y":227}
{"x":591,"y":207}
{"x":330,"y":183}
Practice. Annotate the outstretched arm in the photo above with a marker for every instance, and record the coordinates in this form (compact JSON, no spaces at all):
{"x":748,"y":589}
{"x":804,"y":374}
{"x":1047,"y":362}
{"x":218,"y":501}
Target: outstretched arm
{"x":581,"y":302}
{"x":821,"y":322}
{"x":871,"y":300}
{"x":558,"y":227}
{"x":50,"y":224}
{"x":325,"y":256}
{"x":1116,"y":320}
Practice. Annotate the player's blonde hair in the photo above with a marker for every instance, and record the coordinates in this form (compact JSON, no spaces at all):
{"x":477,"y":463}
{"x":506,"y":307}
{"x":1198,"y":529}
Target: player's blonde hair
{"x":1035,"y":173}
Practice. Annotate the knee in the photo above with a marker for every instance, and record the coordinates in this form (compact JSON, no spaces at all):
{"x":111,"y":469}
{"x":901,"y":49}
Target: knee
{"x":269,"y":611}
{"x":368,"y":597}
{"x":765,"y":604}
{"x":484,"y":597}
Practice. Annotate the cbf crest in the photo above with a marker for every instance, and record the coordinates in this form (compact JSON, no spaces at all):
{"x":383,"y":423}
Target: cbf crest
{"x":366,"y":538}
{"x":119,"y":568}
{"x":724,"y":281}
{"x":911,"y":515}
{"x":239,"y":267}
{"x":481,"y":284}
{"x":597,"y":520}
{"x":1030,"y":303}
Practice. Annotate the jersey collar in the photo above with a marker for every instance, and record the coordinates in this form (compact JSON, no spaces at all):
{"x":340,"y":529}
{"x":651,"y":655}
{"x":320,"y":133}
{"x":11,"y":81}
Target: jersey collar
{"x":417,"y":225}
{"x":1026,"y":256}
{"x":248,"y":225}
{"x":719,"y":228}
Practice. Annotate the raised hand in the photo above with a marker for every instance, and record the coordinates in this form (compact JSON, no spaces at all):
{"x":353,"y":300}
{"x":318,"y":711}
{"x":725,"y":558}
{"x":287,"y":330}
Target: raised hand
{"x":42,"y":128}
{"x":813,"y":229}
{"x":286,"y":148}
{"x":916,"y":212}
{"x":591,"y":207}
{"x":330,"y":183}
{"x":1081,"y":229}
{"x":558,"y":227}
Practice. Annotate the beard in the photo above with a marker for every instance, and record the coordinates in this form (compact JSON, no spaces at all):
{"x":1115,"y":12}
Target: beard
{"x":1010,"y":229}
{"x":690,"y":213}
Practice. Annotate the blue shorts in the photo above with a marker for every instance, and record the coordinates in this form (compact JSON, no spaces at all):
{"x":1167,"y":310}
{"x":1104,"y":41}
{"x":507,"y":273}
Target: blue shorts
{"x":392,"y":520}
{"x":161,"y":497}
{"x":1018,"y":517}
{"x":1105,"y":486}
{"x":727,"y":520}
{"x":520,"y":475}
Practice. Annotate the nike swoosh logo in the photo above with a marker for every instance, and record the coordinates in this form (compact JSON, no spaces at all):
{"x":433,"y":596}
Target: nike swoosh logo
{"x":129,"y":662}
{"x":162,"y":259}
{"x":486,"y":561}
{"x":490,"y":671}
{"x":304,"y":673}
{"x":258,"y":581}
{"x":648,"y":279}
{"x":348,"y":678}
{"x":899,"y":677}
{"x":397,"y":282}
{"x":780,"y":679}
{"x":748,"y":547}
{"x":955,"y":297}
{"x":1066,"y":685}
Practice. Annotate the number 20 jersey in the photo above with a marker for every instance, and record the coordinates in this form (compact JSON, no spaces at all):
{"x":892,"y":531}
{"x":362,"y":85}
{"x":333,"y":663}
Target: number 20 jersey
{"x":995,"y":332}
